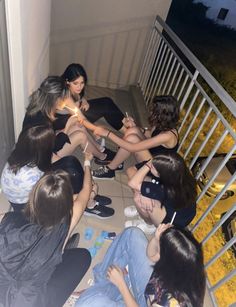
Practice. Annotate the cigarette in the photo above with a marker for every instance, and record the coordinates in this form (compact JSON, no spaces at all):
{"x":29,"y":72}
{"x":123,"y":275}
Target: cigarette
{"x":173,"y":217}
{"x":126,"y":114}
{"x":85,"y":147}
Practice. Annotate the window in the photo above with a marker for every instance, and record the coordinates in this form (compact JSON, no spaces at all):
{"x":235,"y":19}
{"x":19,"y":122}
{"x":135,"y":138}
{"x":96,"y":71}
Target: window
{"x":222,"y":14}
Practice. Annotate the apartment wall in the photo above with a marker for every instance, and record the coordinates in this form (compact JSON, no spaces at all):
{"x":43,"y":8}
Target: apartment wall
{"x":28,"y":29}
{"x":108,"y":37}
{"x":214,"y":9}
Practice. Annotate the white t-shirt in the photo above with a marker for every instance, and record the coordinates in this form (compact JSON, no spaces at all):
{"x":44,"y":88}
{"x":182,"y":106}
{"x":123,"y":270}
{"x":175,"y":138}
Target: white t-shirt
{"x":16,"y":187}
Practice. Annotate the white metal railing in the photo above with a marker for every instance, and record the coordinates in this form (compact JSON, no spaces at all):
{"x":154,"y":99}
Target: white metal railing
{"x":207,"y":135}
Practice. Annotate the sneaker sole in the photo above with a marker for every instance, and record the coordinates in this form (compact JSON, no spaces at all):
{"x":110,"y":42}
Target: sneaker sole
{"x":104,"y":178}
{"x":97,"y":216}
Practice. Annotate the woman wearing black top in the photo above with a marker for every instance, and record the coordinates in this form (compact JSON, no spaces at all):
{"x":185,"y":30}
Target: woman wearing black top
{"x":171,"y":192}
{"x":35,"y":269}
{"x":161,"y":136}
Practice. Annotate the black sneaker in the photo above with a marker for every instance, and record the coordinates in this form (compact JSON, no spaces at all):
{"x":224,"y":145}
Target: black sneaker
{"x":102,"y":200}
{"x":110,"y":156}
{"x":100,"y":212}
{"x":73,"y":241}
{"x":103,"y":172}
{"x":120,"y":167}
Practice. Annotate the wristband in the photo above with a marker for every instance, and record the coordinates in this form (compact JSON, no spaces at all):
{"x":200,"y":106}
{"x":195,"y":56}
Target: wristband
{"x":87,"y":163}
{"x":108,"y":133}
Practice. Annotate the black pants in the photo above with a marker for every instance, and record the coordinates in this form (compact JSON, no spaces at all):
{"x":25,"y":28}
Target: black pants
{"x":67,"y":275}
{"x":98,"y":108}
{"x":105,"y":107}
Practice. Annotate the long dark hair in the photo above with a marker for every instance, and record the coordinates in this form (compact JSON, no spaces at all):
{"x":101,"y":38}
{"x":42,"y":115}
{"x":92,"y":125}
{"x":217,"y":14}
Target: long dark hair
{"x":74,"y":71}
{"x":179,"y":184}
{"x":180,"y":269}
{"x":33,"y":148}
{"x":51,"y":200}
{"x":45,"y":98}
{"x":164,"y":113}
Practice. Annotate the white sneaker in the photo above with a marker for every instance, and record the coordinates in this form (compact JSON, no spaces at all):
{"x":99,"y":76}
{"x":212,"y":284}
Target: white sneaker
{"x":131,"y":211}
{"x":148,"y":229}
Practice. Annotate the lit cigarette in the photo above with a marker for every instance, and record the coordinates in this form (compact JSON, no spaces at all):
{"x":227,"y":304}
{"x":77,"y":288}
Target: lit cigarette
{"x":173,"y":217}
{"x":85,"y":147}
{"x":126,"y":114}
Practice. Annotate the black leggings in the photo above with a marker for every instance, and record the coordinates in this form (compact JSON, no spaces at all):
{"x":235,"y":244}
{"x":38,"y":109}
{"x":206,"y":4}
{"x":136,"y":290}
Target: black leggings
{"x":105,"y":107}
{"x":67,"y":275}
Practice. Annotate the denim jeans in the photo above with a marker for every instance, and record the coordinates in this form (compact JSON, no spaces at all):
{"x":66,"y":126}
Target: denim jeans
{"x":129,"y":248}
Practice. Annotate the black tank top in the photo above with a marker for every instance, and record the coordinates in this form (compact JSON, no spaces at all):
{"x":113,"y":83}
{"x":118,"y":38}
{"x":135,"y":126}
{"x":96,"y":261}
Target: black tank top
{"x":161,"y":149}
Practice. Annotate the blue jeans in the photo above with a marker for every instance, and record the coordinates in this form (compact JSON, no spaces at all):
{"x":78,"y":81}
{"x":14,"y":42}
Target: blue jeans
{"x":129,"y":248}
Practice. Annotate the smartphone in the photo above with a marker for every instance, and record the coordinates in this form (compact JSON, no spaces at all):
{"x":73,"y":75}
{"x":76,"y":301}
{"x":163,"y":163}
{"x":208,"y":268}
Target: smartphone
{"x":110,"y":236}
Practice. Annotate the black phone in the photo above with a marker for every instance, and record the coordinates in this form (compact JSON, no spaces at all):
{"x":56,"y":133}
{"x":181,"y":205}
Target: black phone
{"x":110,"y":236}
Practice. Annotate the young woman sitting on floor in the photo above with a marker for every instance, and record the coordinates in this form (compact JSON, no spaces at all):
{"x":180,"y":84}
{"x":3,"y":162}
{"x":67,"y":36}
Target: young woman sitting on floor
{"x":168,"y":191}
{"x":53,"y":95}
{"x":144,"y":144}
{"x":35,"y":269}
{"x":167,"y":271}
{"x":31,"y":157}
{"x":93,"y":109}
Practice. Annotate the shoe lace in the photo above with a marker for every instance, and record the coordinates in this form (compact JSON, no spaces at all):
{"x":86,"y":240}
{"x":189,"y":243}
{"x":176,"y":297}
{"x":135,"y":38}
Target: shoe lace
{"x":101,"y":170}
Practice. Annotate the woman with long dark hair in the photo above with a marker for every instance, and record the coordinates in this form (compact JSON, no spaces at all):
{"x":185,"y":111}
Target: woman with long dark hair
{"x":32,"y":156}
{"x":92,"y":109}
{"x":161,"y":136}
{"x":35,"y":267}
{"x":167,"y":271}
{"x":170,"y":193}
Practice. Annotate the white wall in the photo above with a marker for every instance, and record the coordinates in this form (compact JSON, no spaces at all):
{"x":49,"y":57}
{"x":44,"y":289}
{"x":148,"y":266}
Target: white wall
{"x":28,"y":27}
{"x":214,"y":9}
{"x":106,"y":36}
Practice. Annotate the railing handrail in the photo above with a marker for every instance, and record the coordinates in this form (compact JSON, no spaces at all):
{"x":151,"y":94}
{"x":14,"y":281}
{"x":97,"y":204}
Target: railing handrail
{"x":212,"y":82}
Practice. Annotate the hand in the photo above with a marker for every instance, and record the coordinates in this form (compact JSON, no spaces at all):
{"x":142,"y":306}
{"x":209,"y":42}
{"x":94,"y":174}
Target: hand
{"x":84,"y":105}
{"x":152,"y":168}
{"x":160,"y":229}
{"x":115,"y":275}
{"x":144,"y":203}
{"x":100,"y":131}
{"x":128,"y":122}
{"x":88,"y":156}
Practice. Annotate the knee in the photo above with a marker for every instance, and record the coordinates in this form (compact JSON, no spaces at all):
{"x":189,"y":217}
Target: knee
{"x":79,"y":137}
{"x":132,"y":130}
{"x":133,"y":138}
{"x":133,"y":233}
{"x":85,"y":257}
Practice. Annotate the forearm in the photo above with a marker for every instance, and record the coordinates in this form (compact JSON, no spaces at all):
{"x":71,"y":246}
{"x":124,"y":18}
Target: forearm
{"x":88,"y":124}
{"x":131,"y":147}
{"x":153,"y":250}
{"x":136,"y":181}
{"x":127,"y":296}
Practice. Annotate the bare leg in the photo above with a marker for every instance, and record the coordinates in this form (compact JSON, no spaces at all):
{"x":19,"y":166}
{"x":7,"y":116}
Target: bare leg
{"x":132,"y":135}
{"x":78,"y":138}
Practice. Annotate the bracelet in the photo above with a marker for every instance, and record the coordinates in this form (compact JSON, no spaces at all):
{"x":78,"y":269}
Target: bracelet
{"x":87,"y":163}
{"x":108,"y":133}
